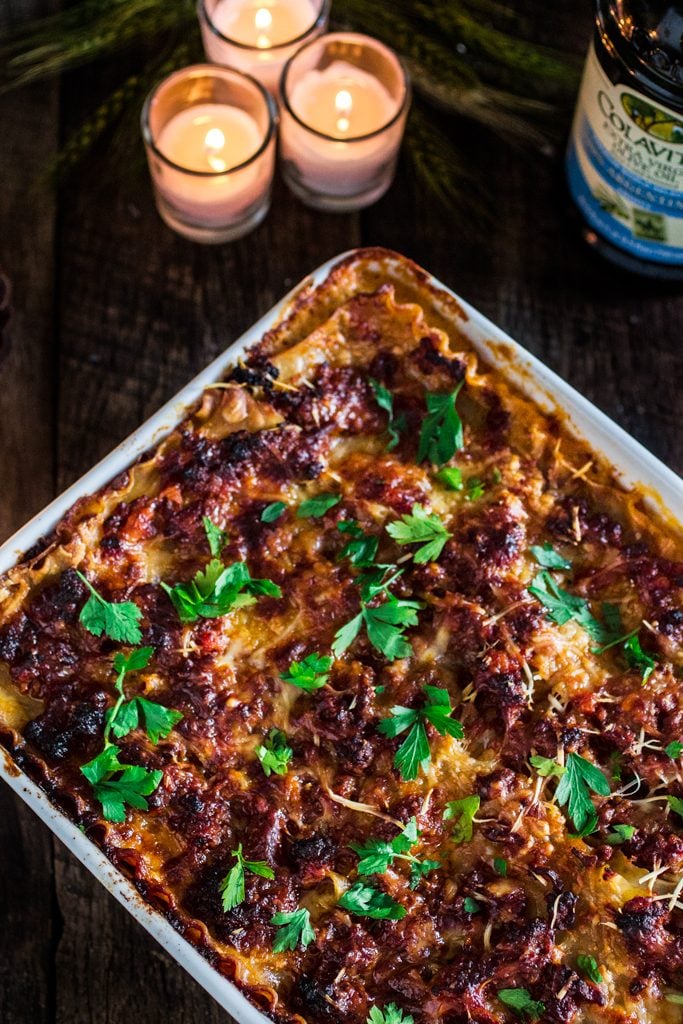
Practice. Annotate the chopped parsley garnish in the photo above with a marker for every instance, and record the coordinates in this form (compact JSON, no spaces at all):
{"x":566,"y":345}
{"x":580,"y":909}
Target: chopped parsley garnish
{"x":471,"y":906}
{"x":232,"y":886}
{"x":519,"y":1000}
{"x":500,"y":866}
{"x":119,"y":620}
{"x":563,"y":606}
{"x":275,"y":753}
{"x":217,"y":590}
{"x":546,"y":767}
{"x":546,"y":556}
{"x":414,"y":751}
{"x":216,"y":537}
{"x":579,"y":778}
{"x":377,"y":855}
{"x":475,"y":488}
{"x":123,"y":717}
{"x":419,"y":527}
{"x":620,"y":834}
{"x":450,"y":477}
{"x":361,"y":549}
{"x":366,"y":901}
{"x":273,"y":511}
{"x":636,"y":657}
{"x":314,"y":508}
{"x":385,"y":400}
{"x":676,"y":804}
{"x":674,"y":749}
{"x":385,"y":623}
{"x":588,"y":965}
{"x":389,"y":1014}
{"x":294,"y":929}
{"x":117,"y":785}
{"x":311,"y":673}
{"x":441,"y":434}
{"x":462,"y":812}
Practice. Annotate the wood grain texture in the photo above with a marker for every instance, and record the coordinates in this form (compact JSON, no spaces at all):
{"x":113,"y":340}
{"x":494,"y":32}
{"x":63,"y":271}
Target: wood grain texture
{"x":137,"y":311}
{"x":28,"y":911}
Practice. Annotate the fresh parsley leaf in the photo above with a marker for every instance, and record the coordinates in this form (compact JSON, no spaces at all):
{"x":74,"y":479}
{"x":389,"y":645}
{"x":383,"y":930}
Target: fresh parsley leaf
{"x":216,"y":537}
{"x":314,"y":508}
{"x":588,"y":965}
{"x":377,"y":855}
{"x":217,"y":590}
{"x":361,"y":549}
{"x":385,"y":400}
{"x":546,"y":555}
{"x":441,"y":434}
{"x":519,"y":1000}
{"x":563,"y":606}
{"x":275,"y":753}
{"x":309,"y":674}
{"x":418,"y":527}
{"x":620,"y":834}
{"x":638,"y":658}
{"x":389,"y":1014}
{"x":574,"y":788}
{"x":384,"y":623}
{"x":471,"y":906}
{"x":133,"y":662}
{"x":414,"y":752}
{"x":122,"y":719}
{"x":450,"y":477}
{"x":463,"y":812}
{"x":294,"y":929}
{"x":475,"y":488}
{"x":546,"y":767}
{"x":119,"y":620}
{"x":500,"y":866}
{"x":159,"y":721}
{"x":419,"y":869}
{"x":273,"y":511}
{"x":675,"y":997}
{"x":117,"y":785}
{"x":232,"y":886}
{"x":366,"y":901}
{"x":676,"y":804}
{"x":616,"y":765}
{"x":674,"y":749}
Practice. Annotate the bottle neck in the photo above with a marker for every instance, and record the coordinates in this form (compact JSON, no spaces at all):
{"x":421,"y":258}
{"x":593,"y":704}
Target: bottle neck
{"x":643,"y":42}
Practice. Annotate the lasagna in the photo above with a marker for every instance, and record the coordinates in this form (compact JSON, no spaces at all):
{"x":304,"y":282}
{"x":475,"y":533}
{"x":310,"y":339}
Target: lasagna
{"x":369,"y":677}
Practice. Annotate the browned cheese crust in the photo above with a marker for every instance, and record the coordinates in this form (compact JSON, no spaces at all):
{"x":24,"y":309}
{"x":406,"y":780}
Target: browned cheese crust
{"x":299,"y":417}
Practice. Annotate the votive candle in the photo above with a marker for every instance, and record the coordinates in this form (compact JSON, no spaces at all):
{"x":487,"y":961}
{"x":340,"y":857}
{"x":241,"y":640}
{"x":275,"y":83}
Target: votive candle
{"x":259,"y":36}
{"x":344,"y":102}
{"x":210,"y":139}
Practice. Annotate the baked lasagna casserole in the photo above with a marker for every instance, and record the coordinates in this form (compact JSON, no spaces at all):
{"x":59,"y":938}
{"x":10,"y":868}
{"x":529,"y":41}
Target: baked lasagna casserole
{"x":369,"y":677}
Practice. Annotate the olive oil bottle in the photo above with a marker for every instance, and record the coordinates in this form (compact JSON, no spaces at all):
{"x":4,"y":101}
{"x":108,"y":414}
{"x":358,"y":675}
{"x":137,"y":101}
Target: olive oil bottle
{"x":625,"y":155}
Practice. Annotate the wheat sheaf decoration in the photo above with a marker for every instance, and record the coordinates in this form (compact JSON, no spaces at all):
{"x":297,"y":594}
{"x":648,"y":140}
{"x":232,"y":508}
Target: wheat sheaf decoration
{"x":467,"y":58}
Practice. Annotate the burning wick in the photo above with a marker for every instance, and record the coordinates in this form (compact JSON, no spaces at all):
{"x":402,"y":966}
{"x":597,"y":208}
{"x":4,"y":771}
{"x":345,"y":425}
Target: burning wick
{"x":214,"y":142}
{"x":263,"y":19}
{"x":343,"y":102}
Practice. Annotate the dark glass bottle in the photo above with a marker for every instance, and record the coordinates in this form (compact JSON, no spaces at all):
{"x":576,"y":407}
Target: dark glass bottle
{"x":625,"y":155}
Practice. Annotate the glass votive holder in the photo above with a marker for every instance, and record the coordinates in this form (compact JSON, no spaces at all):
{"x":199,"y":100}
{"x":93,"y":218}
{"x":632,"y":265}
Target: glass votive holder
{"x":210,"y":136}
{"x":259,"y":36}
{"x":344,"y":99}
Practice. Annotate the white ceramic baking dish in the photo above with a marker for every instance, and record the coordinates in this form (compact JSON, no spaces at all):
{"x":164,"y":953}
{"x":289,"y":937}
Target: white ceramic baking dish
{"x":634,"y":465}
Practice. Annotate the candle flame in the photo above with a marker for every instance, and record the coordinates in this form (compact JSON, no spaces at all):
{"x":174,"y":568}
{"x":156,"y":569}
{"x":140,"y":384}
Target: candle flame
{"x":343,"y":103}
{"x":263,"y":19}
{"x":214,"y":141}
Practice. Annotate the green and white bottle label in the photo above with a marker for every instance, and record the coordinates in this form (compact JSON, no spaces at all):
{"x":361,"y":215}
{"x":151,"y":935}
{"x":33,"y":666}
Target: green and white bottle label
{"x":625,"y":167}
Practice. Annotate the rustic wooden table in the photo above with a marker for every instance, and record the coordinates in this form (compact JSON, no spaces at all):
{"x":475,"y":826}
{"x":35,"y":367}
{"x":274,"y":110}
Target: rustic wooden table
{"x":113,"y":313}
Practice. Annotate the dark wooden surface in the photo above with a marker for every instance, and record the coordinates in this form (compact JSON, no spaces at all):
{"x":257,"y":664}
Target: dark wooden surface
{"x":113,"y":313}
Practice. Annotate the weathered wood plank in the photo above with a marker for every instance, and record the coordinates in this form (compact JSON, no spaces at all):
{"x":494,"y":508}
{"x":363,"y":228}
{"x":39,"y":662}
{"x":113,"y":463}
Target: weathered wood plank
{"x":27,"y":215}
